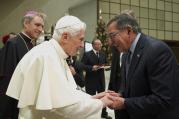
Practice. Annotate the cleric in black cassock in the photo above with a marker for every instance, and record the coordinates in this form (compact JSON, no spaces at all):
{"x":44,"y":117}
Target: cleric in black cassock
{"x":12,"y":53}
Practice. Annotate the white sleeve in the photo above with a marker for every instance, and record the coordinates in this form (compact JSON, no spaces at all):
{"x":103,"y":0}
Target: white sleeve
{"x":85,"y":109}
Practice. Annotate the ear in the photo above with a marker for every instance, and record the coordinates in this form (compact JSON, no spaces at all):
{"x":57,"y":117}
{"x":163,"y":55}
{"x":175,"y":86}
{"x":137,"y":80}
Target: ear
{"x":64,"y":35}
{"x":129,"y":30}
{"x":25,"y":23}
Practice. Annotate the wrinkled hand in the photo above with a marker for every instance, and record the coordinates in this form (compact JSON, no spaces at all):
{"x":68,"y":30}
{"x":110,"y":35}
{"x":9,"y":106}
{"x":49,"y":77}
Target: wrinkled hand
{"x":118,"y":102}
{"x":112,"y":93}
{"x":106,"y":97}
{"x":99,"y":95}
{"x":102,"y":94}
{"x":106,"y":100}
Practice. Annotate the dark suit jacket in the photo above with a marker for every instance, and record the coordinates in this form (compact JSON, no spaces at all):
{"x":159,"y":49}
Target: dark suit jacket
{"x":94,"y":80}
{"x":79,"y":78}
{"x":115,"y":78}
{"x":151,"y":90}
{"x":11,"y":54}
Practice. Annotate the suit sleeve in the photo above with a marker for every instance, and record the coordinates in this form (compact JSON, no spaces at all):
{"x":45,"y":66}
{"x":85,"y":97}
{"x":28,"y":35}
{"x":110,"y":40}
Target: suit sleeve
{"x":84,"y":60}
{"x":160,"y":70}
{"x":8,"y":63}
{"x":79,"y":78}
{"x":10,"y":58}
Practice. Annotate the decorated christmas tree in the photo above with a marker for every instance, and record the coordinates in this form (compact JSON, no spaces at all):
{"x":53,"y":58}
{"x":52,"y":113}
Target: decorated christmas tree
{"x":101,"y":34}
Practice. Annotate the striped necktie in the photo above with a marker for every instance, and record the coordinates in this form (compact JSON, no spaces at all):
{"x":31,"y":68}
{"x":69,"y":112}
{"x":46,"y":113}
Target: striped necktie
{"x":128,"y":61}
{"x":97,"y":54}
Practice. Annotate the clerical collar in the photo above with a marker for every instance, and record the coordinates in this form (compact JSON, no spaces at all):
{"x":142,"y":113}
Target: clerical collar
{"x":95,"y":51}
{"x":31,"y":40}
{"x":26,"y":40}
{"x":25,"y":37}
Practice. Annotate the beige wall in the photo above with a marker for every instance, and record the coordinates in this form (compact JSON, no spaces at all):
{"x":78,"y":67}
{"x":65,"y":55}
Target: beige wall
{"x":88,"y":13}
{"x":157,"y":18}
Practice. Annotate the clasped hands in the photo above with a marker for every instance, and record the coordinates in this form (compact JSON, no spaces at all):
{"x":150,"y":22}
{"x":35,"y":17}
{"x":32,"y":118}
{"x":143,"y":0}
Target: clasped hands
{"x":111,"y":99}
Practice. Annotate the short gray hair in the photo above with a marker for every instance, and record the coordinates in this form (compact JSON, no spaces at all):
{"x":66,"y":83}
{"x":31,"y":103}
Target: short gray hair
{"x":126,"y":19}
{"x":70,"y":24}
{"x":29,"y":15}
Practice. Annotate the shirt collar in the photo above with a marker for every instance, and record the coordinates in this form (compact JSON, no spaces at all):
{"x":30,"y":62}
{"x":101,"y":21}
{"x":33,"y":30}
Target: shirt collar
{"x":134,"y":43}
{"x":95,"y":51}
{"x":59,"y":49}
{"x":30,"y":40}
{"x":26,"y":35}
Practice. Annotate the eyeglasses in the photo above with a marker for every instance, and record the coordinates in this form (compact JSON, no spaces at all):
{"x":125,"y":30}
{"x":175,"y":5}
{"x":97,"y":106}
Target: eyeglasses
{"x":112,"y":35}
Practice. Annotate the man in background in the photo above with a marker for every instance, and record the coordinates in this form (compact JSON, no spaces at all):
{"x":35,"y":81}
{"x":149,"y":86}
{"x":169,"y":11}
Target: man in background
{"x":12,"y":52}
{"x":94,"y":61}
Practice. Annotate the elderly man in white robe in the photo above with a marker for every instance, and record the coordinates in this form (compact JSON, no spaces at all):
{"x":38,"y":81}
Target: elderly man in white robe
{"x":43,"y":84}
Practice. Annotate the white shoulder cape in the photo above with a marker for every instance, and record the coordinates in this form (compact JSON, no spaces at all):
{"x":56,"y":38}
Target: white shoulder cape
{"x":40,"y":80}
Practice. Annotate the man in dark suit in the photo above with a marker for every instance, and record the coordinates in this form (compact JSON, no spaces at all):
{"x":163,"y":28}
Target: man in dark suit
{"x":94,"y":61}
{"x":12,"y":53}
{"x":149,"y":80}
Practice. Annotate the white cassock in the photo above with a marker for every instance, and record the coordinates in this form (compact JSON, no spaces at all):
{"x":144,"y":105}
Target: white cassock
{"x":45,"y":89}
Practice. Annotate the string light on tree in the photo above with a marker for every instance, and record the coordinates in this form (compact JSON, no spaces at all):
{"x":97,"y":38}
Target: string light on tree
{"x":102,"y":35}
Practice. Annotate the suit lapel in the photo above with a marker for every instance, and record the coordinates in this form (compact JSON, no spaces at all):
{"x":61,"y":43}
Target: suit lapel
{"x":138,"y":52}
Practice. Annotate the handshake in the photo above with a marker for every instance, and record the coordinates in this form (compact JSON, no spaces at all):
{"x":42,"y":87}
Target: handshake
{"x":111,"y":99}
